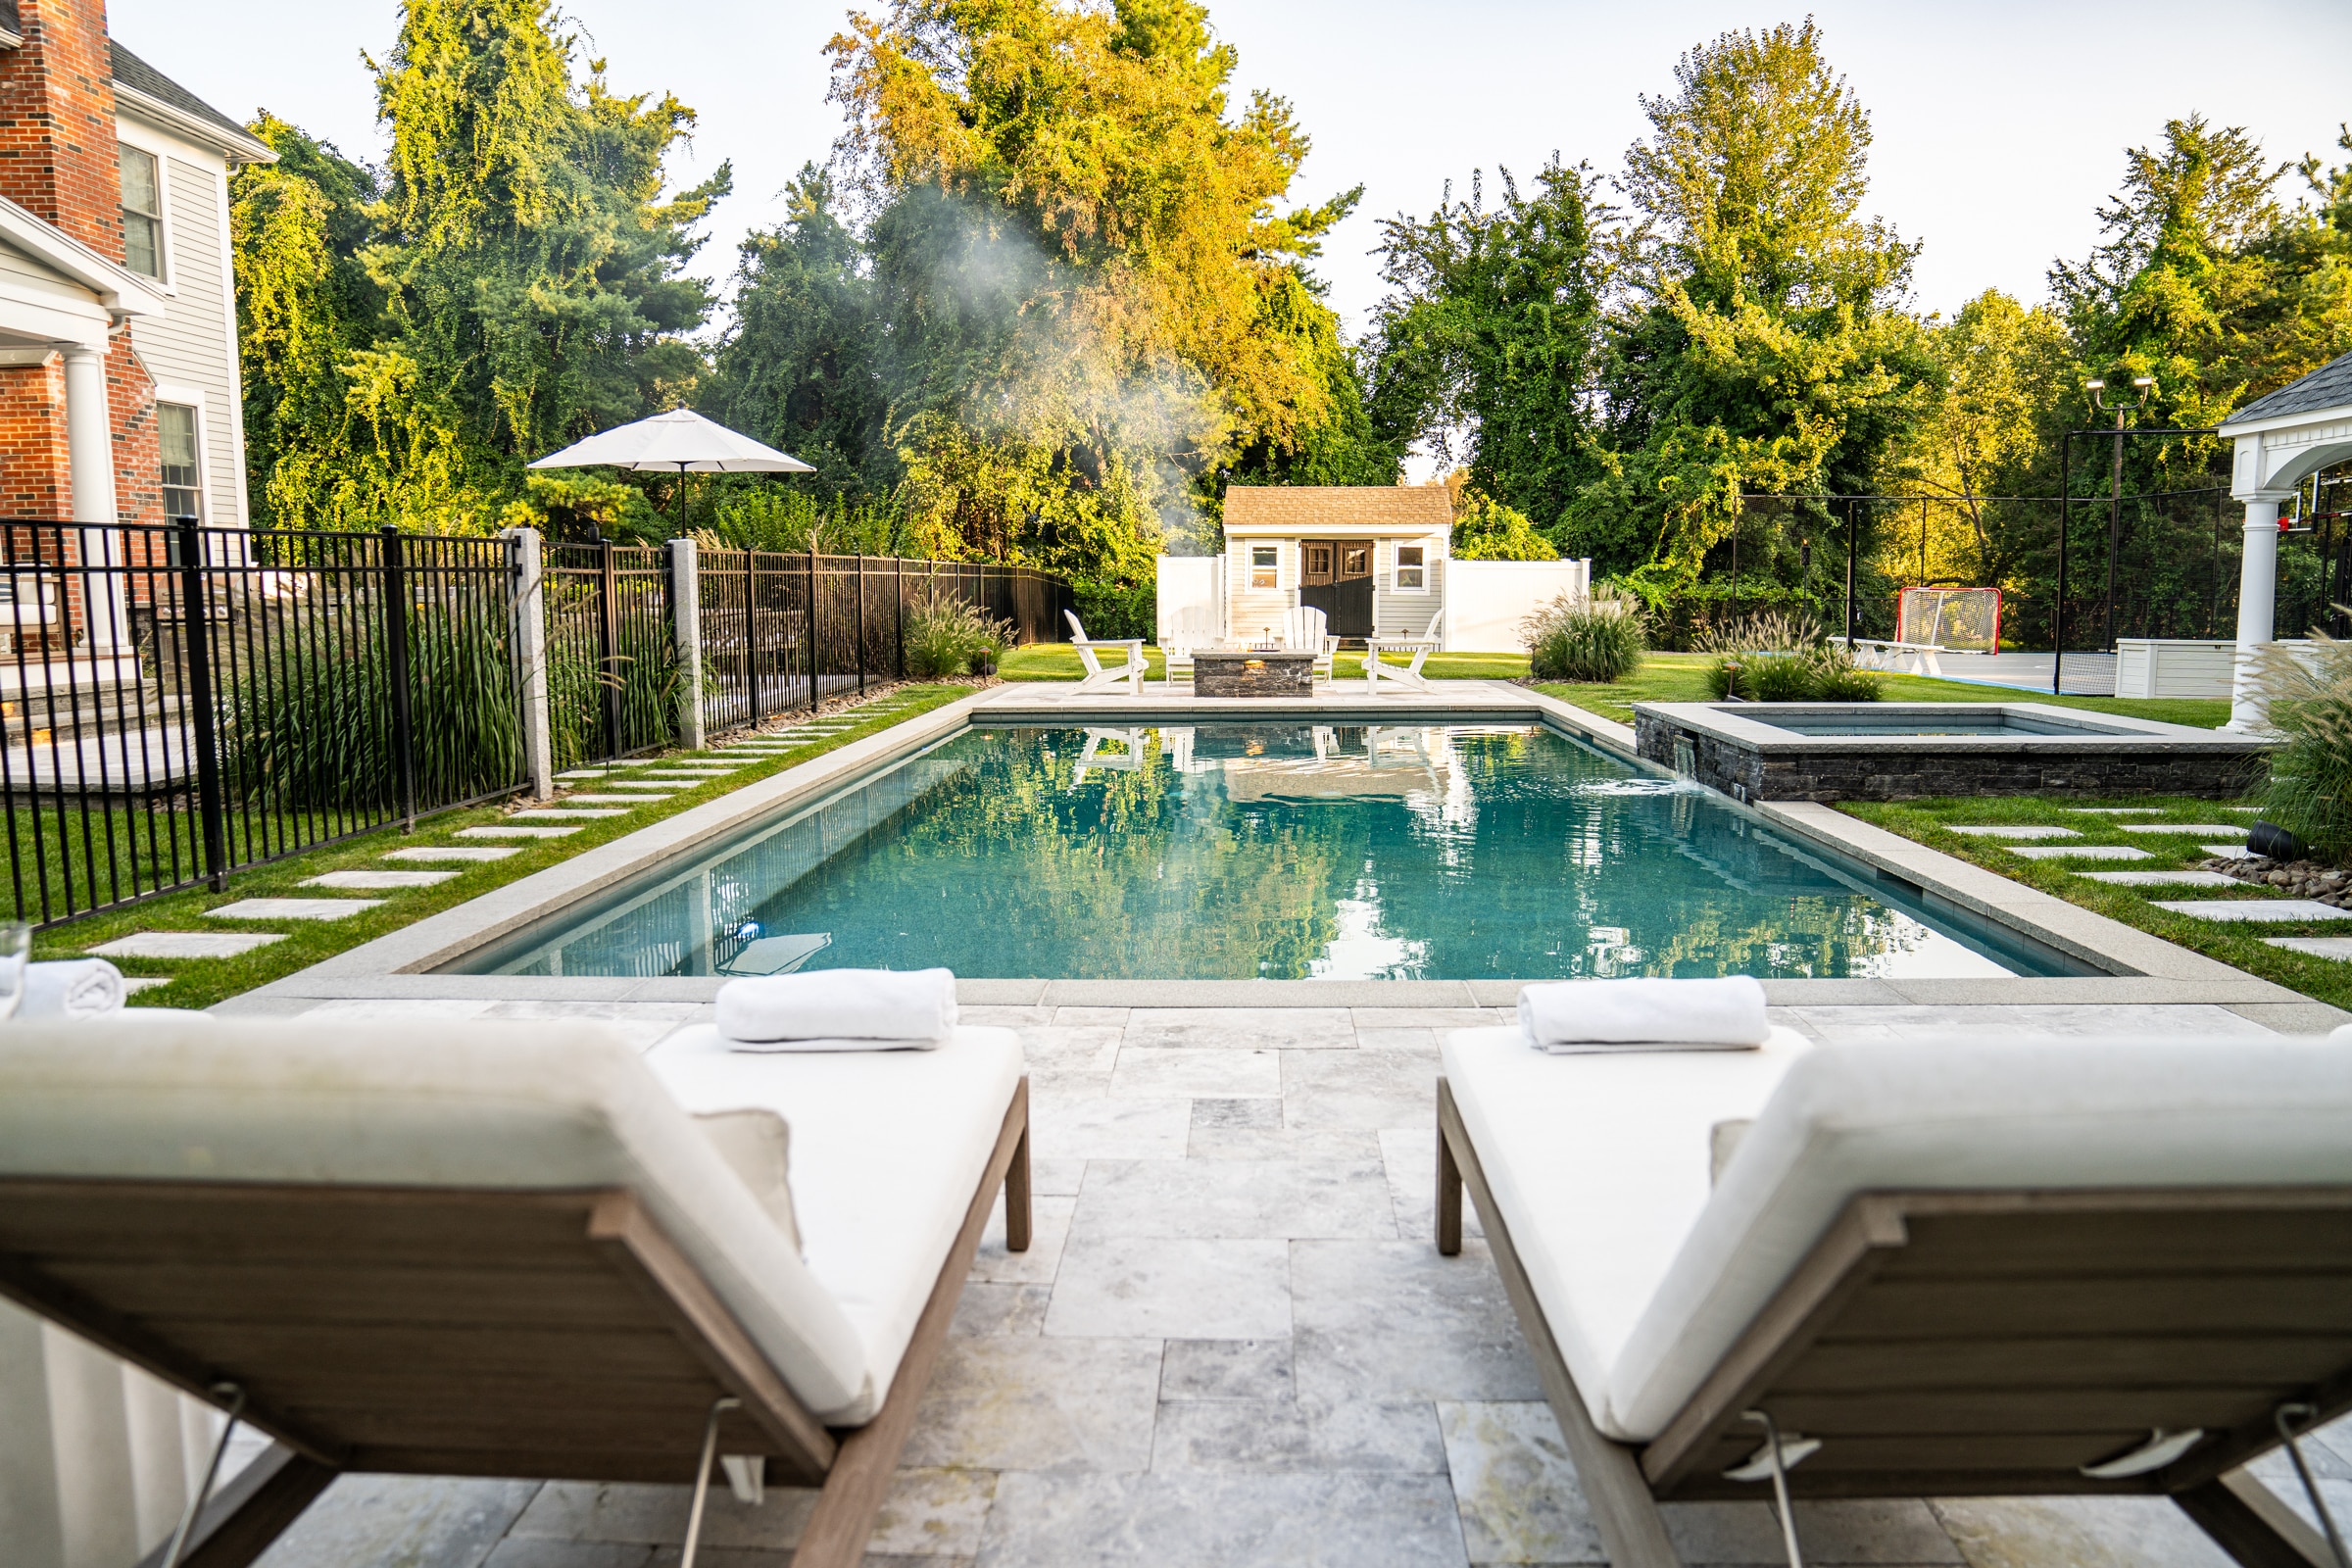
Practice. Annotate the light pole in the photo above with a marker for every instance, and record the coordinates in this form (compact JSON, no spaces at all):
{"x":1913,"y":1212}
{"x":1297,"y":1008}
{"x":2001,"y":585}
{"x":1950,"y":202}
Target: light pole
{"x":2115,"y":497}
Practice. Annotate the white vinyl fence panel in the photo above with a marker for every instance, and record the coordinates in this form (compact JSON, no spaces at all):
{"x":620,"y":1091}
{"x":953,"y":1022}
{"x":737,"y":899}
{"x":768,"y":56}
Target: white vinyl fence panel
{"x":1487,"y":600}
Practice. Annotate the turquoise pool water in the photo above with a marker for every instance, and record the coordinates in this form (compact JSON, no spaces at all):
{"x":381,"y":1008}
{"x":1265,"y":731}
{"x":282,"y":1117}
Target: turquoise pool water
{"x":1282,"y":851}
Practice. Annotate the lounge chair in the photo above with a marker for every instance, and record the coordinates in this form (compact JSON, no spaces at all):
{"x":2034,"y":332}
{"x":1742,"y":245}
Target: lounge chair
{"x":1420,"y":648}
{"x":510,"y":1250}
{"x":1969,"y":1268}
{"x":1097,"y":677}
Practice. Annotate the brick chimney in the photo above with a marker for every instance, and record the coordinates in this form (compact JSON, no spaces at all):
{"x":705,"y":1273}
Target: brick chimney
{"x":56,"y":123}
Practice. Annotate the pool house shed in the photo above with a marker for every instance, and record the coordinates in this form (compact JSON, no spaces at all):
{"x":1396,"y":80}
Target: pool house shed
{"x":1374,"y":558}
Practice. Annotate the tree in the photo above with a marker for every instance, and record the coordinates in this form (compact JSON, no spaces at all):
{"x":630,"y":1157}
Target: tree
{"x":1492,"y":341}
{"x":1077,"y":248}
{"x":1489,"y":530}
{"x":1764,"y":347}
{"x":524,"y":284}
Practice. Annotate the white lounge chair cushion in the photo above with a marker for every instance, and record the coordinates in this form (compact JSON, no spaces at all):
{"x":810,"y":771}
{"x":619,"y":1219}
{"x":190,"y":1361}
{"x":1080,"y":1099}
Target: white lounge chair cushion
{"x":887,"y":1149}
{"x":1600,"y":1165}
{"x":1966,"y":1115}
{"x":513,"y":1107}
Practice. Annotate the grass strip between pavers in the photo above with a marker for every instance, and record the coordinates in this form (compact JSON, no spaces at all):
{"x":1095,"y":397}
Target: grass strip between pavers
{"x":2241,"y":946}
{"x":201,"y":982}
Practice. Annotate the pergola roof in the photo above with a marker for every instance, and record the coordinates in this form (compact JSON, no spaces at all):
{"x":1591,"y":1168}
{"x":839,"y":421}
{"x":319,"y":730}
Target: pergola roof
{"x":2328,"y":387}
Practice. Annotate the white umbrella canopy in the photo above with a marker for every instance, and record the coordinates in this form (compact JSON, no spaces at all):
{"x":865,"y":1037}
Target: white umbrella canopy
{"x":681,"y":441}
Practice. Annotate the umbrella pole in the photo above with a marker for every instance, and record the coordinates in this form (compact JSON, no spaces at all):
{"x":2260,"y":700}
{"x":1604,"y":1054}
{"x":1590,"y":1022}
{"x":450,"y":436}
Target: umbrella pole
{"x":681,"y":500}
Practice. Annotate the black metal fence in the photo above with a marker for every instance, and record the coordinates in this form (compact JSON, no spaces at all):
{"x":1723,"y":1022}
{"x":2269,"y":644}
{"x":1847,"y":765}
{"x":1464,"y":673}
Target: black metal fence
{"x":770,"y":643}
{"x":178,"y":702}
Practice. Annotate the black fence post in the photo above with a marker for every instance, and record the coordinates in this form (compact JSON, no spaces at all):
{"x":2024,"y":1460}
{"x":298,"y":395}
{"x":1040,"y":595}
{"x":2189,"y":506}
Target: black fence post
{"x":812,"y":627}
{"x":396,"y":674}
{"x":608,"y":641}
{"x":194,"y":607}
{"x":861,"y":622}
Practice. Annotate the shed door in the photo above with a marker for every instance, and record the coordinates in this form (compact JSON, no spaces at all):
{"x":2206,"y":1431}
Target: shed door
{"x":1334,"y":577}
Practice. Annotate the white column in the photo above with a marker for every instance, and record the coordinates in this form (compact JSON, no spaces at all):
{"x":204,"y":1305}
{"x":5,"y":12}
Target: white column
{"x":529,"y":609}
{"x":685,"y":602}
{"x":90,"y":461}
{"x":2257,"y":599}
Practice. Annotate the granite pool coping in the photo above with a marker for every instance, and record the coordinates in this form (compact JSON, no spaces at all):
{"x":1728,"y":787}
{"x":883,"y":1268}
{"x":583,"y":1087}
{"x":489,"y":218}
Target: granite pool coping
{"x":402,"y":964}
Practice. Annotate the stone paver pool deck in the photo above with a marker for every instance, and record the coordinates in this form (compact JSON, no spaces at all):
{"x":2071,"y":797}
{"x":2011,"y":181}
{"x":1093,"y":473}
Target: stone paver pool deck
{"x":1233,"y":1342}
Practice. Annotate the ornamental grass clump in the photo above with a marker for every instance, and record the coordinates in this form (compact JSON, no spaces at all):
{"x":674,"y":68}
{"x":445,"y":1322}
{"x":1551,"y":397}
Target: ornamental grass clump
{"x":1594,"y":639}
{"x":1774,"y":658}
{"x":948,"y":636}
{"x":2309,"y":701}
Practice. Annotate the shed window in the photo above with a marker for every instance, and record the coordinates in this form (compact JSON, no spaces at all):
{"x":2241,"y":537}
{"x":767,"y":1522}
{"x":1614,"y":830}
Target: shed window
{"x":1412,"y":570}
{"x":142,"y":214}
{"x":1262,"y":566}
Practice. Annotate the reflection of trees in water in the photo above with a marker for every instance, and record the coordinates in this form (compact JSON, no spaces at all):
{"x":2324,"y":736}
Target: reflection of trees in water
{"x":1822,"y":938}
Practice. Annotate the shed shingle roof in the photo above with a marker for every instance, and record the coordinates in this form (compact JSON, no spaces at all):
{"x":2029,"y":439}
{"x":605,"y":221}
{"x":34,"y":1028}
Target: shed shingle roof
{"x":2328,"y":387}
{"x":1373,"y":507}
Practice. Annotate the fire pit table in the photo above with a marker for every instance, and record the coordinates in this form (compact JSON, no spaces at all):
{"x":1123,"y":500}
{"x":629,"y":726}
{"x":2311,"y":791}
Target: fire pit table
{"x":1254,"y":672}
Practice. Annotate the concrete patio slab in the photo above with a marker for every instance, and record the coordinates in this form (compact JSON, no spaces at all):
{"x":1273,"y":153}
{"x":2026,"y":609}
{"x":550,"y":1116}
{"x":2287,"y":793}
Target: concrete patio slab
{"x":2019,"y":832}
{"x":2201,"y":829}
{"x":2082,"y":851}
{"x":2228,"y":851}
{"x":514,"y":832}
{"x":451,"y":851}
{"x":2272,"y":912}
{"x":185,"y":944}
{"x":543,"y":813}
{"x":632,"y":800}
{"x":2337,"y":948}
{"x":378,"y":879}
{"x":2153,"y":879}
{"x":291,"y":908}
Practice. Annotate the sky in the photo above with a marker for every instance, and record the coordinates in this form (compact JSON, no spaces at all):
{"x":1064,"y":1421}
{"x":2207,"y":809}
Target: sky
{"x":2000,"y":125}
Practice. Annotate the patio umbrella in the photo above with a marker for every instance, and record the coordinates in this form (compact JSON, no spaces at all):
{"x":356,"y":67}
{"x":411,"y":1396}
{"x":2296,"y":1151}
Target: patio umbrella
{"x":681,"y":440}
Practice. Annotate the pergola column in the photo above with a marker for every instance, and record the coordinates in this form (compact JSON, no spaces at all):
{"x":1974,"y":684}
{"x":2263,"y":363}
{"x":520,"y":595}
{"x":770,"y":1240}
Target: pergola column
{"x":2257,"y":605}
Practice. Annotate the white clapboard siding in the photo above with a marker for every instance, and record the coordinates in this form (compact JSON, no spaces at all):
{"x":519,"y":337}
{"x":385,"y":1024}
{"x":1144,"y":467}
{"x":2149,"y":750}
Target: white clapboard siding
{"x":190,"y":345}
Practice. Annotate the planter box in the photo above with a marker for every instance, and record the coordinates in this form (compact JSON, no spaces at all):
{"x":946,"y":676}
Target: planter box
{"x":2171,"y":666}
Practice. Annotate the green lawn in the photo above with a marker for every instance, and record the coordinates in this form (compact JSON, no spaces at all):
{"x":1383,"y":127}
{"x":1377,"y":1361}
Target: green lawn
{"x":1682,"y":678}
{"x":2241,"y":946}
{"x":199,"y":983}
{"x":1059,"y":662}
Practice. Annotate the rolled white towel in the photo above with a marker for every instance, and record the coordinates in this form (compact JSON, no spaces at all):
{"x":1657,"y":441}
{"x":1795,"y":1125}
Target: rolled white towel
{"x":1578,"y":1016}
{"x":840,"y":1009}
{"x":71,"y":991}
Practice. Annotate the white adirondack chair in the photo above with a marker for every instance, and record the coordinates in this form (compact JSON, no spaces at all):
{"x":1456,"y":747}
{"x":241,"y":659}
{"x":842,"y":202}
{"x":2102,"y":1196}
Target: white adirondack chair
{"x":1190,"y":632}
{"x":1097,"y":677}
{"x":1410,"y":675}
{"x":1127,"y":759}
{"x":1306,"y":630}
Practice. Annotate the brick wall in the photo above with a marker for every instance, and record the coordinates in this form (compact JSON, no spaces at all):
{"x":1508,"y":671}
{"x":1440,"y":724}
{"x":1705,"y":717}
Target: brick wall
{"x":33,"y":481}
{"x":56,"y":123}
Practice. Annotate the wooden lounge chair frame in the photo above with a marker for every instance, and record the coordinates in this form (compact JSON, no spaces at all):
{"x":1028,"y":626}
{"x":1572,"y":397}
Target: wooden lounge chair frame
{"x":460,"y":1333}
{"x":1097,"y":677}
{"x":1969,"y":1343}
{"x":1410,"y":675}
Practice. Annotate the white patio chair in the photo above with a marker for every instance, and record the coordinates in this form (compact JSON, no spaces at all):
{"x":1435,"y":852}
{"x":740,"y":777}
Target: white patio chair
{"x":1420,"y":648}
{"x":1188,"y":634}
{"x":1306,"y":630}
{"x":1097,"y":677}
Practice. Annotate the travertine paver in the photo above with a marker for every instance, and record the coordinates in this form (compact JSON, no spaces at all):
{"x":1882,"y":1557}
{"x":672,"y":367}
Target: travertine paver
{"x":2229,"y":852}
{"x":615,"y":799}
{"x":2005,"y":830}
{"x":377,"y":879}
{"x":2201,"y":829}
{"x":185,"y":944}
{"x":449,"y":852}
{"x":1232,"y":1344}
{"x":514,"y":832}
{"x":291,"y":908}
{"x":2081,"y":851}
{"x":544,"y":814}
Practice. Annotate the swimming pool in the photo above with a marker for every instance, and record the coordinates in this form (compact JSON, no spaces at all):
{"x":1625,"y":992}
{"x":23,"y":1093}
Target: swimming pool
{"x":1265,"y":850}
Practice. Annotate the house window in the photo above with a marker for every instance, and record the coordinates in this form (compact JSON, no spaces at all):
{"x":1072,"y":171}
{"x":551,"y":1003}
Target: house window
{"x":142,"y":214}
{"x":1262,"y":566}
{"x":175,"y":428}
{"x":1412,"y":569}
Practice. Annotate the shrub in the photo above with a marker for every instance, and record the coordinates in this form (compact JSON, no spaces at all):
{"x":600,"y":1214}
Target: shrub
{"x":1774,"y":658}
{"x":1837,"y":679}
{"x":1113,"y":612}
{"x":645,"y":659}
{"x":946,"y":636}
{"x":2309,"y":791}
{"x":1596,"y":639}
